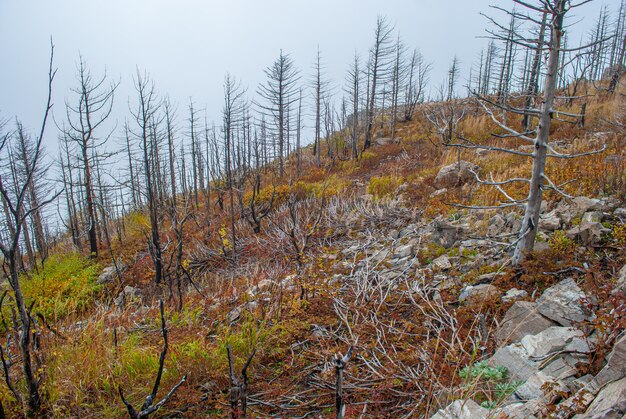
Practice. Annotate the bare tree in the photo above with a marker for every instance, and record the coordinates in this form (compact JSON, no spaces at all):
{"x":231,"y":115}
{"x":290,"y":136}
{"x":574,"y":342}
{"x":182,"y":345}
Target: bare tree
{"x":232,"y":114}
{"x":93,"y":106}
{"x":9,"y":248}
{"x":147,"y":119}
{"x":378,"y":67}
{"x":417,"y":80}
{"x":319,"y":85}
{"x":555,"y":11}
{"x":277,"y":96}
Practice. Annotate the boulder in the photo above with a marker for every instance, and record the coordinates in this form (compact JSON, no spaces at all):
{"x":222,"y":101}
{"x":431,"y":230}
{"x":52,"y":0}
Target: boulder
{"x":559,"y":370}
{"x":107,"y":275}
{"x":476,"y":294}
{"x":442,"y":262}
{"x":496,"y":225}
{"x":462,"y":409}
{"x":561,"y":303}
{"x":455,"y":174}
{"x":609,"y":403}
{"x":582,"y":204}
{"x":534,"y":388}
{"x":127,"y":294}
{"x":446,"y":234}
{"x":549,"y":221}
{"x":551,"y":340}
{"x":515,"y":358}
{"x":110,"y":273}
{"x":403,"y":251}
{"x":522,"y":319}
{"x":615,"y":368}
{"x":593,"y":217}
{"x":588,"y":233}
{"x":514,"y":294}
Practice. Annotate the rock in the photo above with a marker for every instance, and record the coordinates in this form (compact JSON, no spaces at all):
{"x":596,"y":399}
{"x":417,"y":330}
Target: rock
{"x":551,"y":340}
{"x":593,"y":217}
{"x":549,"y":221}
{"x":476,"y":294}
{"x":522,"y":319}
{"x":382,"y":141}
{"x":515,"y":358}
{"x":446,"y":234}
{"x":462,"y":409}
{"x":404,"y":251}
{"x":438,"y":192}
{"x":442,"y":262}
{"x":455,"y":174}
{"x":620,"y":213}
{"x":514,"y":294}
{"x":533,"y":388}
{"x":518,"y":410}
{"x":582,"y":204}
{"x":559,"y":370}
{"x":620,"y":284}
{"x":588,"y":233}
{"x":127,"y":294}
{"x":496,"y":225}
{"x":408,"y":230}
{"x":380,"y":256}
{"x":615,"y":368}
{"x":540,"y":247}
{"x":487,"y":278}
{"x":609,"y":403}
{"x":561,"y":303}
{"x":109,"y":273}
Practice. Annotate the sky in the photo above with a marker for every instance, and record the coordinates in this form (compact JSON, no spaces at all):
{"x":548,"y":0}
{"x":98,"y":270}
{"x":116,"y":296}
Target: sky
{"x":188,"y":46}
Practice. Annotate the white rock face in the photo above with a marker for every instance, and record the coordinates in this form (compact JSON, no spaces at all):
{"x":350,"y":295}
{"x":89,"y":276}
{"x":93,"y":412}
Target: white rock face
{"x":610,"y":402}
{"x":551,"y":340}
{"x":562,"y":304}
{"x":475,"y":294}
{"x":462,"y":409}
{"x":522,"y":319}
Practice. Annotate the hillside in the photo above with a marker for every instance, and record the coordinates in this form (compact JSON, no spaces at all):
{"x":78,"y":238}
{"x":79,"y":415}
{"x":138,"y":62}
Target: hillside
{"x":379,"y":257}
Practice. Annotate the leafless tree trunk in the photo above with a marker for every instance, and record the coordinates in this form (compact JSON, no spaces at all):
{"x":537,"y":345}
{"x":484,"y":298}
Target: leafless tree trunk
{"x":9,"y":249}
{"x":378,"y":68}
{"x":93,"y":106}
{"x":145,"y":116}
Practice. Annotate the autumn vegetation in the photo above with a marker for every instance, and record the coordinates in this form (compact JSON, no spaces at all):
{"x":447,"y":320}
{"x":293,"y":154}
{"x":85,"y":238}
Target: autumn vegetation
{"x":250,"y":260}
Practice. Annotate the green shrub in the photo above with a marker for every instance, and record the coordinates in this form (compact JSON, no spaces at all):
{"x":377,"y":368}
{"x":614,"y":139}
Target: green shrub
{"x":490,"y":384}
{"x":65,"y":286}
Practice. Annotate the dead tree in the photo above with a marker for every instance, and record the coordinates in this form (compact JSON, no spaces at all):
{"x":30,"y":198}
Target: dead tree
{"x":9,"y":247}
{"x":23,"y":152}
{"x":340,"y":362}
{"x":232,"y":114}
{"x":398,"y":71}
{"x":277,"y":97}
{"x":378,"y":68}
{"x":94,"y":103}
{"x":146,"y":119}
{"x":539,"y":136}
{"x":148,"y":407}
{"x":319,"y":85}
{"x":353,"y":91}
{"x":238,"y":386}
{"x":447,"y":115}
{"x":416,"y":82}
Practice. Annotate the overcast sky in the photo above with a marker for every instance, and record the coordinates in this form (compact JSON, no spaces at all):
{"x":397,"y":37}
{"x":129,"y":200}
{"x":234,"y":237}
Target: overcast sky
{"x":187,"y":46}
